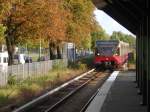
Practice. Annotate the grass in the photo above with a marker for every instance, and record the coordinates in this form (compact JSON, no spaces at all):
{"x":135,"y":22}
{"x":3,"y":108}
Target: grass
{"x":7,"y":93}
{"x":33,"y":86}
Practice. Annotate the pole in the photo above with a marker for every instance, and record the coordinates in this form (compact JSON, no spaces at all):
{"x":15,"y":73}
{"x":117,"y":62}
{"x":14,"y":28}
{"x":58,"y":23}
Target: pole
{"x":40,"y":50}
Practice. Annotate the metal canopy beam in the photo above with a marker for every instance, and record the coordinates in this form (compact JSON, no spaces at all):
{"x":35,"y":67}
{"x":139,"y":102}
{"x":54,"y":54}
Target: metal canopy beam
{"x":131,"y":11}
{"x":125,"y":8}
{"x":121,"y":18}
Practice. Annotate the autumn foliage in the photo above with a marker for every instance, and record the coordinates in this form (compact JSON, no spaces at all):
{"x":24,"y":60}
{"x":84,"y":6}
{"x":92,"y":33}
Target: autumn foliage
{"x":52,"y":21}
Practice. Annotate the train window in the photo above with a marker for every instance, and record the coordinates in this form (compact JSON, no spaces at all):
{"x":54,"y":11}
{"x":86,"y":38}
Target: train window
{"x":106,"y":51}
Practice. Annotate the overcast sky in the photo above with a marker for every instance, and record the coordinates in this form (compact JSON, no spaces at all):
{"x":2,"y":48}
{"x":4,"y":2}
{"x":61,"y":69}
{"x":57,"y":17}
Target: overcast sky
{"x":108,"y":23}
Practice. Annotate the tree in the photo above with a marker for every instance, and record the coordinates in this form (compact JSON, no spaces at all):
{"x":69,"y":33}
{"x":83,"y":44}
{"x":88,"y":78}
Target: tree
{"x":56,"y":31}
{"x":23,"y":22}
{"x":123,"y":37}
{"x":5,"y":6}
{"x":99,"y":35}
{"x":80,"y":21}
{"x":2,"y":30}
{"x":31,"y":21}
{"x":86,"y":43}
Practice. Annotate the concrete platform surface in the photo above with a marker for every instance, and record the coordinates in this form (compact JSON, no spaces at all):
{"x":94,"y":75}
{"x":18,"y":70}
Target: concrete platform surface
{"x":121,"y":97}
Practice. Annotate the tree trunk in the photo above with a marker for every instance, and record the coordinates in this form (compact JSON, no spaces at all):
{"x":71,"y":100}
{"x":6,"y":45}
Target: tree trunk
{"x":58,"y":52}
{"x":10,"y":39}
{"x":51,"y":51}
{"x":10,"y":49}
{"x":11,"y":55}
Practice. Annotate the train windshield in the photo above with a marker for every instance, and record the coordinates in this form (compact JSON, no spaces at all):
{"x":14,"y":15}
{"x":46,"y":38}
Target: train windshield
{"x":105,"y":51}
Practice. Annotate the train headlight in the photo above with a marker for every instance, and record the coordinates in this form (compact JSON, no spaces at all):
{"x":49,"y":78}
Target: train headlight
{"x":98,"y":54}
{"x":116,"y":54}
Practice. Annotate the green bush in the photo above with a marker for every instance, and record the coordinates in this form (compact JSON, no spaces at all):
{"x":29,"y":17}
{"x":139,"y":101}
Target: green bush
{"x":88,"y":61}
{"x":82,"y":66}
{"x":83,"y":63}
{"x":73,"y":65}
{"x":58,"y":64}
{"x":77,"y":65}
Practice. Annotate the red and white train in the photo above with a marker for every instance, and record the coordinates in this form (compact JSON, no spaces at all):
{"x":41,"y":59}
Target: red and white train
{"x":110,"y":53}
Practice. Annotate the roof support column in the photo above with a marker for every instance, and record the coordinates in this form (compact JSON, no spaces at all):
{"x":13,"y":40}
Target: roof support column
{"x":139,"y":59}
{"x":148,"y":53}
{"x":144,"y":61}
{"x":148,"y":64}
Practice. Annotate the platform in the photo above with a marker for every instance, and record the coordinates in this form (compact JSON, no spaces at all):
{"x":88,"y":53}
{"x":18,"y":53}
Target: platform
{"x":118,"y":94}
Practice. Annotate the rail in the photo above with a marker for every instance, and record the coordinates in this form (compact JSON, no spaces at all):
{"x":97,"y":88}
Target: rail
{"x":39,"y":99}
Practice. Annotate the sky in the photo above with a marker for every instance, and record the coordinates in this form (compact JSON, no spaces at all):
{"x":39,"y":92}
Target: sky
{"x":108,"y":23}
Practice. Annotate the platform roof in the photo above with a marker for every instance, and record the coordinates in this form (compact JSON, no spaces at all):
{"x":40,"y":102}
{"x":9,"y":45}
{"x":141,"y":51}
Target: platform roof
{"x":128,"y":13}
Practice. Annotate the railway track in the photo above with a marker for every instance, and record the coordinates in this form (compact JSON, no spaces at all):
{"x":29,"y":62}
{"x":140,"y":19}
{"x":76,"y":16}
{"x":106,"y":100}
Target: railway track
{"x":50,"y":102}
{"x":88,"y":102}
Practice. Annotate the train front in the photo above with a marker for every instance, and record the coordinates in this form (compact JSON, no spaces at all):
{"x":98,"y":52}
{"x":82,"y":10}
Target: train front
{"x":107,"y":54}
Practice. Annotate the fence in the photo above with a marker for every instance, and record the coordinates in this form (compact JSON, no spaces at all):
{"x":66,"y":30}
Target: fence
{"x":23,"y":71}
